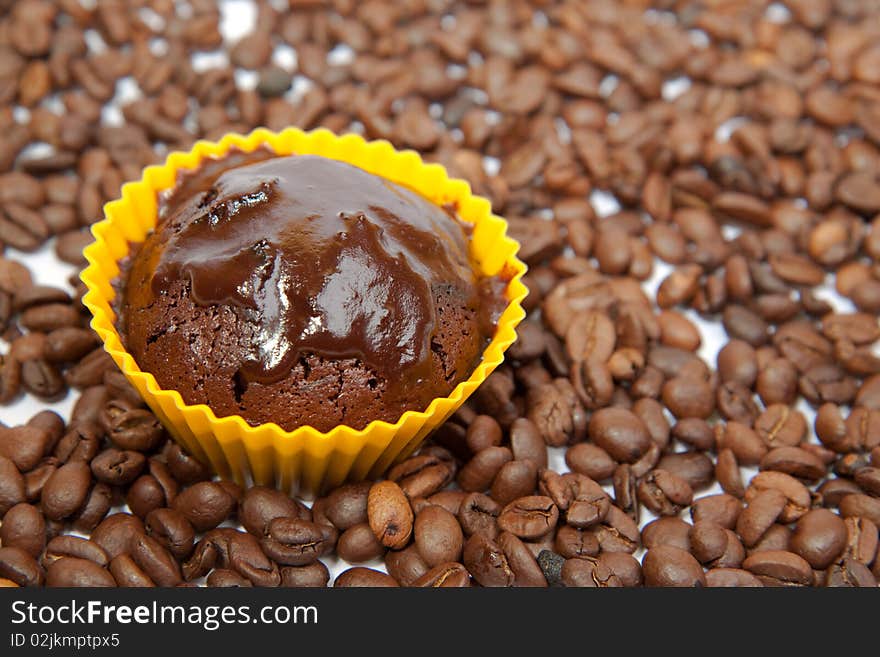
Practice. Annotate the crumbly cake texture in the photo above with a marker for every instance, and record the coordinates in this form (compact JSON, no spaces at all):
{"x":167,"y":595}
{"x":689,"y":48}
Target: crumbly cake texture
{"x":304,"y":291}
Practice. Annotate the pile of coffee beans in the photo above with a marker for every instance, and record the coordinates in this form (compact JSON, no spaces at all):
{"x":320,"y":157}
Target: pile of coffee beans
{"x":667,"y":166}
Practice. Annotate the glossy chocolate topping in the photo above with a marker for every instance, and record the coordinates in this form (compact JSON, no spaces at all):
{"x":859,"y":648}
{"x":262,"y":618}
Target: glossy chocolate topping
{"x":322,"y":257}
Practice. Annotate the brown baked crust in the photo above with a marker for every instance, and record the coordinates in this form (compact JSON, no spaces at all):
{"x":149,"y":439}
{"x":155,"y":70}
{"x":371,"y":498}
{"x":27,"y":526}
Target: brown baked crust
{"x":203,"y":350}
{"x":197,"y":350}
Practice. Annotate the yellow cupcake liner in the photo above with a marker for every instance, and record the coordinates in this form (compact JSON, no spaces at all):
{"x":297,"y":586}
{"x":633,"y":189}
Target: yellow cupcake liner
{"x":304,"y":460}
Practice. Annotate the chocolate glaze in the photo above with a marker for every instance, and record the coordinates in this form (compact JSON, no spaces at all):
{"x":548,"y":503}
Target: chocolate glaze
{"x":321,"y":258}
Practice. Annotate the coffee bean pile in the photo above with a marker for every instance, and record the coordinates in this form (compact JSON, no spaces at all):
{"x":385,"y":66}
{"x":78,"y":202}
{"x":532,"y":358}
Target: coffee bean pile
{"x":740,"y":143}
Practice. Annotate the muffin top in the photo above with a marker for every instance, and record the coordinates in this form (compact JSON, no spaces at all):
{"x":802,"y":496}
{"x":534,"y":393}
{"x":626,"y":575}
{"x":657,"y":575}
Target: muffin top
{"x":303,"y":290}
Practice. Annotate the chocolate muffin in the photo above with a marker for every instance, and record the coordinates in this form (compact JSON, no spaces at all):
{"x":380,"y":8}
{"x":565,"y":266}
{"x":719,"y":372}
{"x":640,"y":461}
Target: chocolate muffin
{"x":304,"y":291}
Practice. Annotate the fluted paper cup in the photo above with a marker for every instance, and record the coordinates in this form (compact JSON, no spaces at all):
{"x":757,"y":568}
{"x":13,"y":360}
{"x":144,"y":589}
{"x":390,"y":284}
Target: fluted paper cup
{"x":303,"y":460}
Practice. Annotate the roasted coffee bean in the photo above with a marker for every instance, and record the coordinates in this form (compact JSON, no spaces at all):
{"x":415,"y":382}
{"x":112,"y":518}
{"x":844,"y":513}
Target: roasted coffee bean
{"x":777,"y":537}
{"x":66,"y":490}
{"x":664,"y":493}
{"x":477,"y":474}
{"x":128,"y":574}
{"x":797,"y":496}
{"x":689,"y":396}
{"x":735,"y":402}
{"x":405,"y":566}
{"x":723,"y":509}
{"x":668,"y":566}
{"x":779,"y":568}
{"x":230,"y":548}
{"x":438,"y":536}
{"x":745,"y":443}
{"x":448,"y":499}
{"x":262,"y":505}
{"x":557,"y":412}
{"x":424,"y":474}
{"x":780,"y":425}
{"x":650,"y":411}
{"x":295,"y":542}
{"x":389,"y":514}
{"x":728,"y":474}
{"x":479,"y":515}
{"x":484,"y":431}
{"x":571,"y":542}
{"x":625,"y":491}
{"x":49,"y":317}
{"x":593,"y":383}
{"x":144,"y":495}
{"x":581,"y":499}
{"x":858,"y":505}
{"x":117,"y":467}
{"x":81,"y":443}
{"x":135,"y":429}
{"x":184,"y":467}
{"x":667,"y":531}
{"x":849,"y":464}
{"x":617,"y":532}
{"x":850,"y":573}
{"x":363,"y":577}
{"x":590,"y":460}
{"x":25,"y":445}
{"x":347,"y":505}
{"x":205,"y":504}
{"x":693,"y":467}
{"x":90,"y":408}
{"x":24,"y":527}
{"x":74,"y":572}
{"x":743,"y":324}
{"x":737,"y":362}
{"x":624,"y":566}
{"x":172,"y":530}
{"x":868,"y":478}
{"x":863,"y":427}
{"x":526,"y":443}
{"x":708,"y":541}
{"x":794,"y":461}
{"x":486,"y":562}
{"x":620,"y":432}
{"x":74,"y":546}
{"x":36,"y":479}
{"x":156,"y":561}
{"x":93,"y":510}
{"x":50,"y":422}
{"x":819,"y":537}
{"x":223,"y":577}
{"x":117,"y":532}
{"x":590,"y":336}
{"x":762,"y":511}
{"x":20,"y":567}
{"x":515,"y":479}
{"x":588,"y":572}
{"x":12,"y":485}
{"x":527,"y":572}
{"x":446,"y":575}
{"x":314,"y":575}
{"x":358,"y":544}
{"x":731,"y":577}
{"x":529,"y":517}
{"x":90,"y":370}
{"x":694,"y":432}
{"x":861,"y":539}
{"x":10,"y":378}
{"x":41,"y":378}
